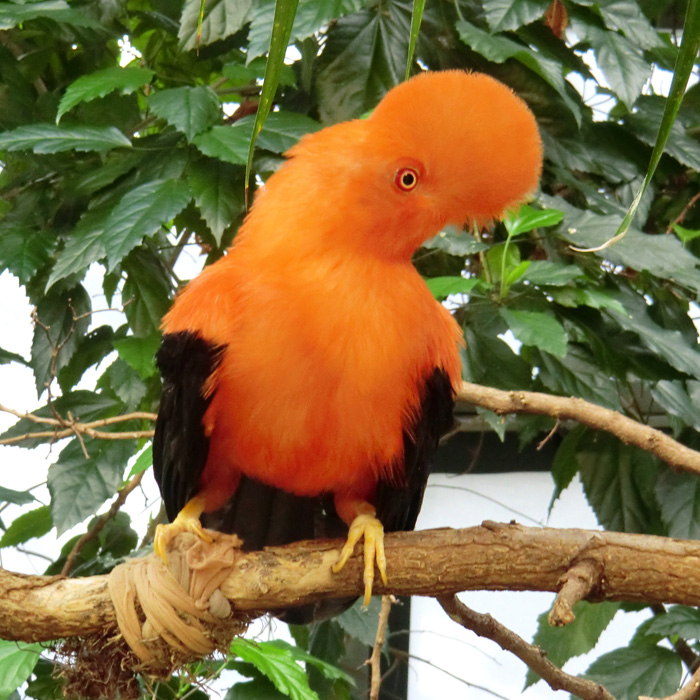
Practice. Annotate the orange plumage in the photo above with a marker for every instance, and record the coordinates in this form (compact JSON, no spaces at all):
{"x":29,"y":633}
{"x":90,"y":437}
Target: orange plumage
{"x":323,"y":341}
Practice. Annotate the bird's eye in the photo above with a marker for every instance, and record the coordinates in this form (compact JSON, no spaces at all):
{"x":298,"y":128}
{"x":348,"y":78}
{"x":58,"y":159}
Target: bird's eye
{"x":406,"y":179}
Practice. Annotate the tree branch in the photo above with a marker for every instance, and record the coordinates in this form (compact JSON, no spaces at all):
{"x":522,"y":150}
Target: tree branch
{"x":626,"y":429}
{"x":492,"y":556}
{"x":532,"y":656}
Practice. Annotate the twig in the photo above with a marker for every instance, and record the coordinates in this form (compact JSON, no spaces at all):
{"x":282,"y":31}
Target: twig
{"x":375,"y":660}
{"x":583,"y":577}
{"x":681,"y":217}
{"x":100,"y":523}
{"x":629,"y":431}
{"x":532,"y":656}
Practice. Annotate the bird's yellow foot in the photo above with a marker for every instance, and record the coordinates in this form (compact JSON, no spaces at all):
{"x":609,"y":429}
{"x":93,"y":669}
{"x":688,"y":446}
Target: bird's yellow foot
{"x":371,"y":529}
{"x":187,"y":520}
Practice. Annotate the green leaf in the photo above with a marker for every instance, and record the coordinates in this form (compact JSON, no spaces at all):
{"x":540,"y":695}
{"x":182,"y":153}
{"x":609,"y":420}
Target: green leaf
{"x":526,"y":219}
{"x":538,"y":329}
{"x":627,"y":17}
{"x":686,"y":235}
{"x":17,"y":661}
{"x":13,"y":14}
{"x":62,"y":319}
{"x":678,"y":620}
{"x":24,"y":252}
{"x":278,"y":664}
{"x":228,"y":143}
{"x":79,"y":486}
{"x":49,"y":138}
{"x":7,"y":357}
{"x":101,"y":83}
{"x":125,"y":382}
{"x":360,"y":622}
{"x":545,"y":273}
{"x":139,"y":353}
{"x":679,"y":499}
{"x":574,"y":639}
{"x":214,"y":186}
{"x":619,"y":482}
{"x":281,"y":31}
{"x":565,"y":466}
{"x":190,"y":110}
{"x":629,"y":673}
{"x":676,"y":400}
{"x":416,"y":19}
{"x":326,"y":669}
{"x":442,"y":287}
{"x":140,"y":213}
{"x":222,"y":18}
{"x":455,"y":242}
{"x":507,"y":15}
{"x":35,"y":523}
{"x":20,"y":498}
{"x":143,"y":462}
{"x":283,"y":129}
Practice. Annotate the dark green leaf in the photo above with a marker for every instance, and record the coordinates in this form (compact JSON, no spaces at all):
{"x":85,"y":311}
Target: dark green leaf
{"x":678,"y":620}
{"x":79,"y":486}
{"x":619,"y":482}
{"x":627,"y":16}
{"x":125,"y":382}
{"x":221,"y":19}
{"x":629,"y":673}
{"x":191,"y":110}
{"x":12,"y":14}
{"x":442,"y":287}
{"x":505,"y":15}
{"x":565,"y":464}
{"x":143,"y":461}
{"x":218,"y":192}
{"x":360,"y":622}
{"x":574,"y":639}
{"x":35,"y":523}
{"x":17,"y":661}
{"x":101,"y":83}
{"x":24,"y":252}
{"x":18,"y":497}
{"x":537,"y":329}
{"x":679,"y":499}
{"x":140,"y":213}
{"x":526,"y":219}
{"x":7,"y":357}
{"x":456,"y":243}
{"x":228,"y":143}
{"x":544,"y":273}
{"x":49,"y":138}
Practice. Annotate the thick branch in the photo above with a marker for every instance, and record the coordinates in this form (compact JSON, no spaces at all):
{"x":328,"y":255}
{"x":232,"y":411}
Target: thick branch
{"x":589,"y":414}
{"x":435,"y":562}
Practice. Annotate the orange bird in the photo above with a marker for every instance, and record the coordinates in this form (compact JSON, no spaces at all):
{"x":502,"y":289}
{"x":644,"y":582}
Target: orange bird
{"x":309,"y":374}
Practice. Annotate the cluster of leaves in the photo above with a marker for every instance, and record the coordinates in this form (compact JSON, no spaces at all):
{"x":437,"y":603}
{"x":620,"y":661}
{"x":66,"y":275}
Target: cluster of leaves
{"x":124,"y":144}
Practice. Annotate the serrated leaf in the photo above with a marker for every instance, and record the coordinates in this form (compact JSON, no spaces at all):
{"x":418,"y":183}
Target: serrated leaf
{"x":35,"y":523}
{"x":6,"y":357}
{"x":140,"y":213}
{"x":507,"y":15}
{"x":628,"y":673}
{"x":619,"y":483}
{"x":100,"y":83}
{"x":574,"y":639}
{"x":627,"y":16}
{"x":228,"y":143}
{"x":442,"y":287}
{"x":24,"y":252}
{"x":677,"y":620}
{"x":360,"y":622}
{"x":125,"y":382}
{"x":13,"y":14}
{"x":139,"y":353}
{"x":537,"y":329}
{"x":17,"y":661}
{"x":277,"y":664}
{"x":675,"y":398}
{"x":221,"y":19}
{"x":64,"y":318}
{"x":218,"y":192}
{"x":80,"y":486}
{"x":190,"y":110}
{"x":19,"y":498}
{"x":565,"y":465}
{"x":550,"y":274}
{"x":49,"y":138}
{"x":679,"y":500}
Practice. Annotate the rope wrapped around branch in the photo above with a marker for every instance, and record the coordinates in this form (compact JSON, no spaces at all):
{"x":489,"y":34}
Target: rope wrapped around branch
{"x":170,"y":615}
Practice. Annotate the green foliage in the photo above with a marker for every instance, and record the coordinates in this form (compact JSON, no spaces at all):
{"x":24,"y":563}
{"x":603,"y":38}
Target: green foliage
{"x":119,"y":163}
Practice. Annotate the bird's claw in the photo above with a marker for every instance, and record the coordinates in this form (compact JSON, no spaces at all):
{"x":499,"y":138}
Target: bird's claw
{"x":372,"y":530}
{"x":184,"y":522}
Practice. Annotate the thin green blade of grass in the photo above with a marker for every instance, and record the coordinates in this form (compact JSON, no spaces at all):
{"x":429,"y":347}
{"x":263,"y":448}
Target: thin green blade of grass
{"x":285,"y":11}
{"x":416,"y":19}
{"x":690,"y":43}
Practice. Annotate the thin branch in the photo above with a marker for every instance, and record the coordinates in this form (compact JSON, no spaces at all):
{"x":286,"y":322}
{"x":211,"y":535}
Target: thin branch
{"x":629,"y":431}
{"x":532,"y":656}
{"x":375,"y":660}
{"x":100,"y":523}
{"x":577,"y":583}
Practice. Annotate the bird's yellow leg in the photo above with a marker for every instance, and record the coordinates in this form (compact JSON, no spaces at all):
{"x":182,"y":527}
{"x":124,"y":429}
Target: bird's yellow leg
{"x":187,"y":520}
{"x":364,"y":525}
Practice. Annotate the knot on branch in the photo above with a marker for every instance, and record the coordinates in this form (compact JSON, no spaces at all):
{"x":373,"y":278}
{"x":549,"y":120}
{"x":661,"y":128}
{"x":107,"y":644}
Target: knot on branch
{"x":582,"y":578}
{"x":171,"y":615}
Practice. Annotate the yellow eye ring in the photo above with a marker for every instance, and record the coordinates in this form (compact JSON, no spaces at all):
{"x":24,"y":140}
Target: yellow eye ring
{"x":406,"y":179}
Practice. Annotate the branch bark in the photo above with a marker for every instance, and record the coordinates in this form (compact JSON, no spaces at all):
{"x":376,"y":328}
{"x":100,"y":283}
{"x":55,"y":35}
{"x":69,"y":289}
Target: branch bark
{"x":492,"y":556}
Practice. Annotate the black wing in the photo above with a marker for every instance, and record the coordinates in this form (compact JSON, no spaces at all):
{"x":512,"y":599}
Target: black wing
{"x":180,"y":447}
{"x":398,"y":504}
